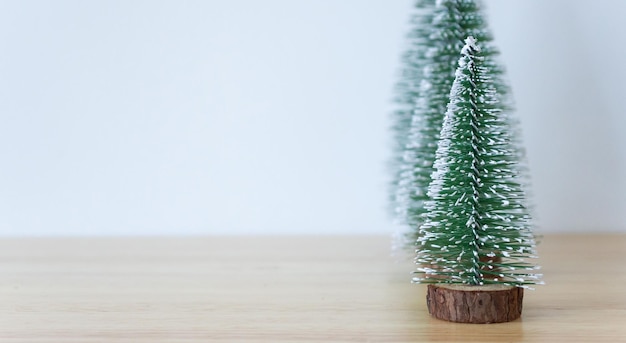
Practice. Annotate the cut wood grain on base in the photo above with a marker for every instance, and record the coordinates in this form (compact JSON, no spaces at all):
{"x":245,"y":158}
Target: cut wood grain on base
{"x":475,"y":304}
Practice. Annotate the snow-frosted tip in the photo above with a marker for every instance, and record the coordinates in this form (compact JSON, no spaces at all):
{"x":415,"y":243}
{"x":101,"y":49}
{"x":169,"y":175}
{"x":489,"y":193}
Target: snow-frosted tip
{"x":470,"y":44}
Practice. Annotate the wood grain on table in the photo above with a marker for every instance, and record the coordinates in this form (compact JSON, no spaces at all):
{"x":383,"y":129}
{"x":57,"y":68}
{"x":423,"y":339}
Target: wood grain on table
{"x":284,"y":289}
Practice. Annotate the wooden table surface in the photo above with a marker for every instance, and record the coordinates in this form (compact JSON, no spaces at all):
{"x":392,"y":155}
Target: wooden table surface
{"x":284,"y":289}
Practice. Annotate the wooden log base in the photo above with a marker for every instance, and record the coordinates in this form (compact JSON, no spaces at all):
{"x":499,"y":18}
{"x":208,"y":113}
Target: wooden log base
{"x":474,"y":304}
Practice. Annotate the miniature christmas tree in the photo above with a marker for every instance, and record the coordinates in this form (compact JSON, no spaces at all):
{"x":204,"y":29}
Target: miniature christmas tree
{"x":407,"y":91}
{"x":477,"y":229}
{"x":451,"y":22}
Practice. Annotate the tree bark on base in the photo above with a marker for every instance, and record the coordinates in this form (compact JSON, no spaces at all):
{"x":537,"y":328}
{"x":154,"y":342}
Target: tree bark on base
{"x":475,"y":304}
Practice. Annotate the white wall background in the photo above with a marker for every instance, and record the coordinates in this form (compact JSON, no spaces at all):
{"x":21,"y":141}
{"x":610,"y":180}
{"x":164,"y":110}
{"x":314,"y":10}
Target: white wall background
{"x":565,"y":65}
{"x":244,"y":116}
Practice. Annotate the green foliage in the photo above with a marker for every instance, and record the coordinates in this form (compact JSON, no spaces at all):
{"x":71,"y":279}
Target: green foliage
{"x":407,"y":91}
{"x":451,"y":21}
{"x":477,"y":227}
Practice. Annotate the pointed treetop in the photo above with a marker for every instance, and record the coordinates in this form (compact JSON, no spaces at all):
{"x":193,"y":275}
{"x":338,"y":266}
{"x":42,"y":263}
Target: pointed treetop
{"x":469,"y":52}
{"x":470,"y":44}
